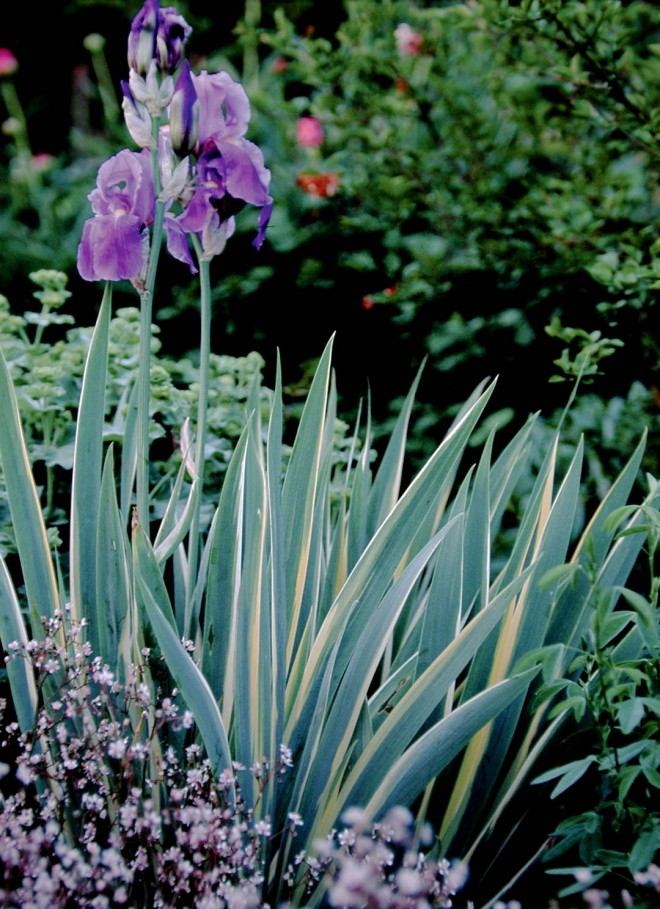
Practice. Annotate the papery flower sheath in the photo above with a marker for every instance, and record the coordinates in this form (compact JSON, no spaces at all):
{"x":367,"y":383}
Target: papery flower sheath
{"x":137,"y":118}
{"x":115,"y":242}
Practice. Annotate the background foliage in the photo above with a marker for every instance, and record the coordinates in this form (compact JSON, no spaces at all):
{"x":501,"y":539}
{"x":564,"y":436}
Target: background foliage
{"x":503,"y":176}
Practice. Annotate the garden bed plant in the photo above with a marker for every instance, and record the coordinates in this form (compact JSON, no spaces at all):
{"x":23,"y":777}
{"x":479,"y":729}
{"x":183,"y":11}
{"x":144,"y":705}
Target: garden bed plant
{"x":269,"y":667}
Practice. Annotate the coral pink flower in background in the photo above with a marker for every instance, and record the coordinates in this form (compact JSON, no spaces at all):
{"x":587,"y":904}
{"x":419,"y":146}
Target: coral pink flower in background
{"x":408,"y":41}
{"x":42,"y":161}
{"x":8,"y":62}
{"x":319,"y":186}
{"x":309,"y":132}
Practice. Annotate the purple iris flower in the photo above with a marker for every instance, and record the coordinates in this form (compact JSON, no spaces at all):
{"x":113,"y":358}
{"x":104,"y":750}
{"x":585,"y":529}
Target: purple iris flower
{"x":115,"y":242}
{"x":230,"y":170}
{"x":230,"y":175}
{"x":158,"y":34}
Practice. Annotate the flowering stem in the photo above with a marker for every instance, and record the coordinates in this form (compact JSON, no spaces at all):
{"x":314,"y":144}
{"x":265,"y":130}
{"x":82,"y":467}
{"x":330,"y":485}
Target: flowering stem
{"x":144,"y":390}
{"x":23,"y":148}
{"x":200,"y":434}
{"x":251,"y":22}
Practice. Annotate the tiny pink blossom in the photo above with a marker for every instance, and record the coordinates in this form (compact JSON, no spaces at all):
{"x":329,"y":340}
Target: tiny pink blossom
{"x":309,"y":132}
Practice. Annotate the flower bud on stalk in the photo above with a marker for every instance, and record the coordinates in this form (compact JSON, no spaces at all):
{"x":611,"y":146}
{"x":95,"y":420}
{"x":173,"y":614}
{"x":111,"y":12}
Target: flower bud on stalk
{"x":173,"y":32}
{"x":184,"y":114}
{"x":309,"y":132}
{"x":157,"y":35}
{"x":142,"y":37}
{"x":8,"y":62}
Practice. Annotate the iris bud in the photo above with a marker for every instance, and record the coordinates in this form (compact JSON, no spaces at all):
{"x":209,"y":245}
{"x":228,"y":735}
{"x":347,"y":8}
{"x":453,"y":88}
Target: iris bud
{"x":142,"y":37}
{"x":184,"y":114}
{"x":173,"y":32}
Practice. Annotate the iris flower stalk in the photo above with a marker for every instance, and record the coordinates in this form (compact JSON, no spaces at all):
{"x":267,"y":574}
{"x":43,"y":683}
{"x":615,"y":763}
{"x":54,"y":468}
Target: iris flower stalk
{"x":144,"y":368}
{"x":194,"y":173}
{"x":208,"y":120}
{"x":200,"y":434}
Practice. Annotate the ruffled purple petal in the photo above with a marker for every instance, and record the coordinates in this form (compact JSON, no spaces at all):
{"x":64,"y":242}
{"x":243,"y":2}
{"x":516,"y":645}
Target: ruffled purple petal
{"x":177,"y":243}
{"x":124,"y":183}
{"x":198,"y":212}
{"x":264,"y":218}
{"x":246,"y":176}
{"x":224,"y":108}
{"x":112,"y":248}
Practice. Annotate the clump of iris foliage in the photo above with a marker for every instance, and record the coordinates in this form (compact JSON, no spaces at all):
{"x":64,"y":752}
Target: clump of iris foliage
{"x":101,"y":813}
{"x":242,"y":672}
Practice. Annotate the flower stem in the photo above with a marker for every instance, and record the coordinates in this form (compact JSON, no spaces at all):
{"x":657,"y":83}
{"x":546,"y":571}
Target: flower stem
{"x":144,"y":370}
{"x":200,"y":434}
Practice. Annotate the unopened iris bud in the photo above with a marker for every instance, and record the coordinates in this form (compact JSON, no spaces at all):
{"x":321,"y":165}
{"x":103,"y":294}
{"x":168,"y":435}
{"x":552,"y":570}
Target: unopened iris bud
{"x":173,"y":32}
{"x":184,"y":114}
{"x":142,"y":37}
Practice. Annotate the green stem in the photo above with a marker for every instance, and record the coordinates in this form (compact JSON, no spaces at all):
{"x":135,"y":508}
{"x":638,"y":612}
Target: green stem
{"x":106,"y":88}
{"x":250,"y":47}
{"x":23,"y":147}
{"x":200,"y":433}
{"x":144,"y":369}
{"x":144,"y":394}
{"x":47,"y":425}
{"x":15,"y":111}
{"x":38,"y":334}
